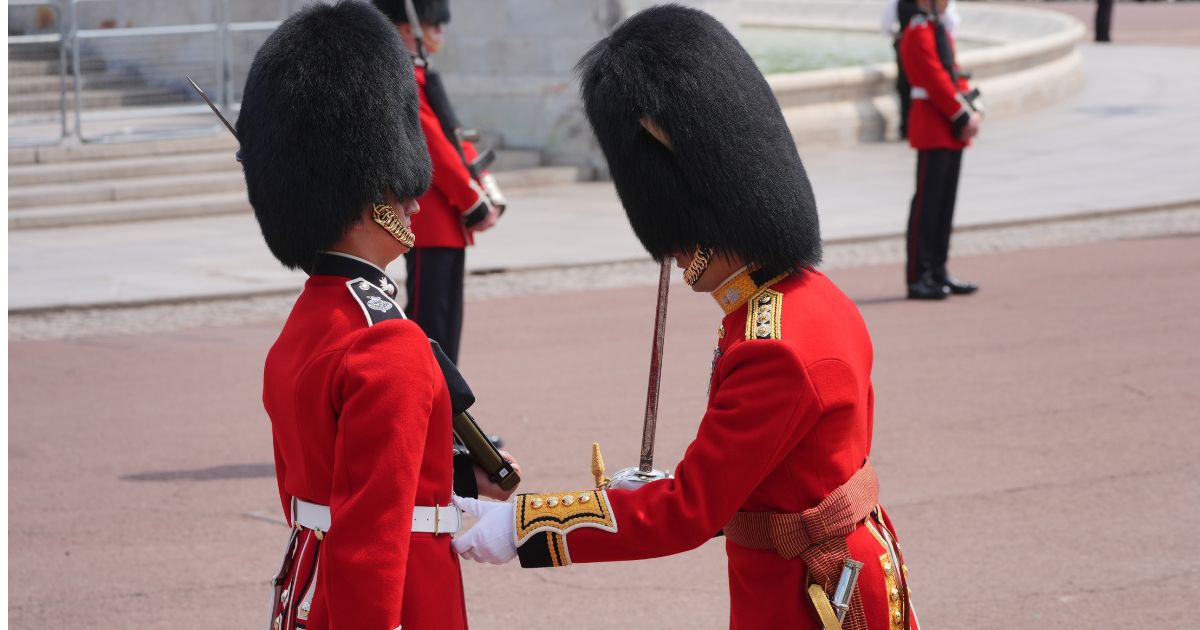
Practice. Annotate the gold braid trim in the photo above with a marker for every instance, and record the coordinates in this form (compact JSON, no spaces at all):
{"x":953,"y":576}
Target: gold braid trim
{"x":764,"y":315}
{"x":384,"y":215}
{"x":561,"y":513}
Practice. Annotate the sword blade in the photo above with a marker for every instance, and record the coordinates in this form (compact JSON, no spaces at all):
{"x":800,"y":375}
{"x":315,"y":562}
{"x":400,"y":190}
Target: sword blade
{"x":212,"y":106}
{"x":646,"y":462}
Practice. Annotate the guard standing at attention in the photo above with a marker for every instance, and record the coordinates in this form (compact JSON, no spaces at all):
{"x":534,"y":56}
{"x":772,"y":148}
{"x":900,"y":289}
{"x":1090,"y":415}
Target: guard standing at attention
{"x":946,"y":114}
{"x":709,"y":175}
{"x":464,"y":198}
{"x":334,"y":160}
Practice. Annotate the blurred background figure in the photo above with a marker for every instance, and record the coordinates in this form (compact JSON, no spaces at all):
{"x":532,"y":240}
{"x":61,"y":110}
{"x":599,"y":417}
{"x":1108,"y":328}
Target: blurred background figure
{"x":945,"y":115}
{"x":896,"y":14}
{"x":1104,"y":10}
{"x":464,"y":198}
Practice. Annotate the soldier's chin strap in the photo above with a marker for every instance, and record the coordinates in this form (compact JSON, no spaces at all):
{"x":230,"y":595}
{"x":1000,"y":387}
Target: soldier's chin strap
{"x":414,"y":21}
{"x":824,"y":609}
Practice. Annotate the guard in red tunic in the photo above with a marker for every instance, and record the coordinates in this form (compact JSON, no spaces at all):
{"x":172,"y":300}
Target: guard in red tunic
{"x":334,"y":159}
{"x":464,"y":198}
{"x":945,"y":115}
{"x":709,"y":175}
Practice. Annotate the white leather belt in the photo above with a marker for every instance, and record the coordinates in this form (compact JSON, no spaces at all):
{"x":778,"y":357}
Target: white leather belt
{"x":919,"y":94}
{"x":438,"y":519}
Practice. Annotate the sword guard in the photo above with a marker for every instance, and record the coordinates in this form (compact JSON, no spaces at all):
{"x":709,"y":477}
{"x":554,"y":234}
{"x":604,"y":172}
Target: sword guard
{"x":634,"y":478}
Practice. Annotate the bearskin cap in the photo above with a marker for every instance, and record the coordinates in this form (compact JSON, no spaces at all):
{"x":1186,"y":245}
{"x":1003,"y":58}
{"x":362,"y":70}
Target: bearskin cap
{"x":731,"y":178}
{"x":429,"y":11}
{"x":329,"y":123}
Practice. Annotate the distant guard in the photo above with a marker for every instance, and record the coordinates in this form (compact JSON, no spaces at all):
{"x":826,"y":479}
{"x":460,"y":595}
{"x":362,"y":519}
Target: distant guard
{"x":945,"y":116}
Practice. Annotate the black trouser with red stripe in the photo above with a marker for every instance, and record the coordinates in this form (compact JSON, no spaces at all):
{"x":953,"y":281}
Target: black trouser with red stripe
{"x":435,"y":294}
{"x":932,"y":212}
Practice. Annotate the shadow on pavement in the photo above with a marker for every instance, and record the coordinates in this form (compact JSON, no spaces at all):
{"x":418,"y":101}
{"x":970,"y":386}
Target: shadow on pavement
{"x":213,"y":473}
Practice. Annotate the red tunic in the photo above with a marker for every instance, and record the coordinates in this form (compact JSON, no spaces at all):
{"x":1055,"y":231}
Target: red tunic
{"x":360,"y":417}
{"x":929,"y":120}
{"x":453,"y":193}
{"x":789,"y":420}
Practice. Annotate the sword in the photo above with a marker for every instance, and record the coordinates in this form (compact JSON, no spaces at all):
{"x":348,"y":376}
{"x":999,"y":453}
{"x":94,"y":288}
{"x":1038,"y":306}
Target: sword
{"x":649,"y":424}
{"x":213,"y":107}
{"x":645,"y":472}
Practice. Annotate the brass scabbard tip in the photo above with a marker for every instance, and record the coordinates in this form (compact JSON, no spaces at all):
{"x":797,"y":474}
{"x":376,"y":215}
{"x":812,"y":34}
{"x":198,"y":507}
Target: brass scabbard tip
{"x":598,"y":467}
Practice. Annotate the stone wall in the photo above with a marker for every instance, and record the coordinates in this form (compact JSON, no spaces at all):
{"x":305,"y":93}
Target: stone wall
{"x":510,"y":68}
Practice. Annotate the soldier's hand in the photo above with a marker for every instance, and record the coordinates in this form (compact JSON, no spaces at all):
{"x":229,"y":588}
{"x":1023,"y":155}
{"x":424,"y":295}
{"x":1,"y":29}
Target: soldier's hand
{"x":493,"y":538}
{"x":632,"y":478}
{"x":493,"y":215}
{"x":972,"y":128}
{"x":491,"y":490}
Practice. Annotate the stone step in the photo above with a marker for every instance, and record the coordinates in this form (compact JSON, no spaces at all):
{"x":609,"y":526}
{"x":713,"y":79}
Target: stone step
{"x":215,"y":142}
{"x":50,"y":83}
{"x":41,"y":51}
{"x":94,"y":99}
{"x":37,"y":68}
{"x":536,"y":177}
{"x":168,"y":187}
{"x":127,"y":211}
{"x":512,"y":159}
{"x":23,"y":175}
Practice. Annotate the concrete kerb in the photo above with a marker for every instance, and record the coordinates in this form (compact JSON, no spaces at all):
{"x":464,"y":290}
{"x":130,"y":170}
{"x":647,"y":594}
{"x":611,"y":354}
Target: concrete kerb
{"x":1034,"y":62}
{"x":845,"y":240}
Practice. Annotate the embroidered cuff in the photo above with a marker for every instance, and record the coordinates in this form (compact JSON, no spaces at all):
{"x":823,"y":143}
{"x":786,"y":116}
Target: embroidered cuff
{"x":562,"y":513}
{"x":544,"y":549}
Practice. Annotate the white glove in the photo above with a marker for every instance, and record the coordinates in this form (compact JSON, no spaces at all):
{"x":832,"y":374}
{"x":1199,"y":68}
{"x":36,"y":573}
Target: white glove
{"x":632,"y":478}
{"x":493,"y":538}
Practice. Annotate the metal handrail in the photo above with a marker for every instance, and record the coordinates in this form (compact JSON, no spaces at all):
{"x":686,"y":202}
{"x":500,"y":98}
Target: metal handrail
{"x":61,"y":38}
{"x":70,"y":37}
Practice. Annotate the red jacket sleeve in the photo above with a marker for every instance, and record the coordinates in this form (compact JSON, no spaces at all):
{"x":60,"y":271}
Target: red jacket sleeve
{"x":450,"y":176}
{"x":764,"y":405}
{"x":386,"y":388}
{"x":918,"y":55}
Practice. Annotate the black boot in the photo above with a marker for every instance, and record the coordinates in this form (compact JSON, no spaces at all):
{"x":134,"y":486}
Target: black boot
{"x":956,"y":286}
{"x":926,"y":288}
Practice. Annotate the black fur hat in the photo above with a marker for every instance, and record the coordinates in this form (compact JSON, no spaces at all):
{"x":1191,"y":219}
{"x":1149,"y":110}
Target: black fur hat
{"x":329,"y":122}
{"x":731,"y":178}
{"x":429,"y":11}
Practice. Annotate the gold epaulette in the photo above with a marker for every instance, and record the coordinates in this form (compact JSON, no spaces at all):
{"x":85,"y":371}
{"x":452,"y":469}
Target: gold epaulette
{"x":764,"y":315}
{"x":562,"y":512}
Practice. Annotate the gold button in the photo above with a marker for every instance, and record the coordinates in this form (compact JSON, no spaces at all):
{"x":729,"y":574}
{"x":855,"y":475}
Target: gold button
{"x":568,"y":500}
{"x":535,"y":502}
{"x":887,"y":567}
{"x":283,"y":596}
{"x":721,"y":332}
{"x":894,"y":594}
{"x":897,"y":616}
{"x":766,"y":299}
{"x":764,"y":318}
{"x":585,"y":497}
{"x":552,"y":502}
{"x":763,"y":330}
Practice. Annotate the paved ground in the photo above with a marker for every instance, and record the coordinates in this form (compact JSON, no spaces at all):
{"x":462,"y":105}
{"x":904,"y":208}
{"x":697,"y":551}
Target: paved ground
{"x":1036,"y":444}
{"x":1175,"y":23}
{"x":1128,"y":140}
